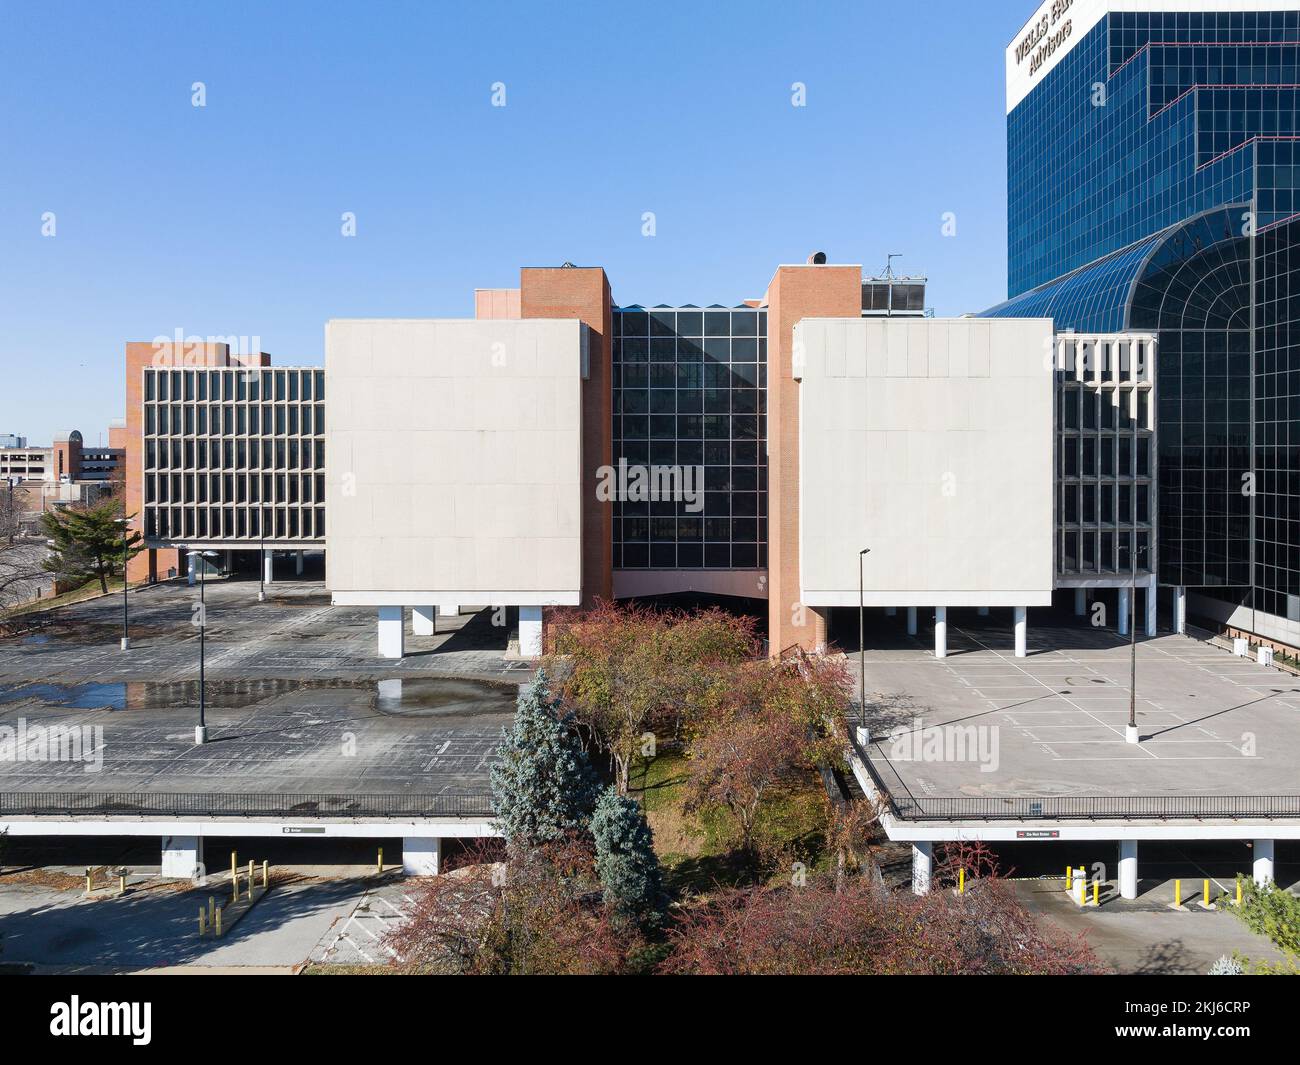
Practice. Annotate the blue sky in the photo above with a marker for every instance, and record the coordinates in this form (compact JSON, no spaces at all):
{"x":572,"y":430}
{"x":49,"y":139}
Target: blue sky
{"x":225,"y":220}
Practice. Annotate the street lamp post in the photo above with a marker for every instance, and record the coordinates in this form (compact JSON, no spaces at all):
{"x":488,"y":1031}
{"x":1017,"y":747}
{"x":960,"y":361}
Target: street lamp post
{"x":201,"y":729}
{"x":862,"y":639}
{"x":1131,"y":729}
{"x":125,"y":525}
{"x":261,"y":559}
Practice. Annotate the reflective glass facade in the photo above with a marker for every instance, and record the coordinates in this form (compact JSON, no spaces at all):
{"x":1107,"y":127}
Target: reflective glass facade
{"x":1147,"y":121}
{"x":1152,"y":179}
{"x":690,"y":391}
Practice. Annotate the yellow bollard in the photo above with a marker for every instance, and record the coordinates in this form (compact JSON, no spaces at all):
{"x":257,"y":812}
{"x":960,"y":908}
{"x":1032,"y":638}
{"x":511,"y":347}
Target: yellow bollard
{"x":265,"y":880}
{"x":1205,"y":894}
{"x":121,"y":885}
{"x":1238,"y":891}
{"x":1096,"y":893}
{"x":216,"y":928}
{"x":90,"y":883}
{"x":1178,"y":892}
{"x":203,"y":921}
{"x":234,"y":867}
{"x":1069,"y":878}
{"x":250,"y":879}
{"x":380,"y":865}
{"x":961,"y":881}
{"x":234,"y":888}
{"x":212,"y":908}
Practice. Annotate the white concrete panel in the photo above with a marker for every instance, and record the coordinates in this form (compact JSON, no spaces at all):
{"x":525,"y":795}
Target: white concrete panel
{"x":937,"y":455}
{"x":453,"y":451}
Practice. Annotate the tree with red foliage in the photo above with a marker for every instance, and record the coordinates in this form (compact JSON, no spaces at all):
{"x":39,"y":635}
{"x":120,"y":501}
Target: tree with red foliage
{"x":536,"y":912}
{"x":863,"y":929}
{"x":627,"y":670}
{"x":769,"y":721}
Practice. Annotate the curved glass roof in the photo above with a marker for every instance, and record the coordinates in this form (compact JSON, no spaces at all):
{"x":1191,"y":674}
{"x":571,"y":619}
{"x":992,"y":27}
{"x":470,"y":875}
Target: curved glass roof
{"x":1138,"y":286}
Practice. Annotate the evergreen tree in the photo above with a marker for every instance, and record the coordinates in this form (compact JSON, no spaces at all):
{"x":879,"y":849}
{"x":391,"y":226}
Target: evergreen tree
{"x":86,"y":542}
{"x":625,"y":858}
{"x":543,"y":786}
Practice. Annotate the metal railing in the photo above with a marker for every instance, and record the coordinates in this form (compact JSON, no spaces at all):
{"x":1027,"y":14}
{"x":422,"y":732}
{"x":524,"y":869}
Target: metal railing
{"x":189,"y":804}
{"x":907,"y":807}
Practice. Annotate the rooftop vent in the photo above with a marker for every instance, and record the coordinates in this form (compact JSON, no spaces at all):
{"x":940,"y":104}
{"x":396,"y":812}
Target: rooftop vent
{"x":817,"y":258}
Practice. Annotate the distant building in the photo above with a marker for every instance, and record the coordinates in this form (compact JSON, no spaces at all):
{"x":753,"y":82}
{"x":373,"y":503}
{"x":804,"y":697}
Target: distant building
{"x":66,"y":461}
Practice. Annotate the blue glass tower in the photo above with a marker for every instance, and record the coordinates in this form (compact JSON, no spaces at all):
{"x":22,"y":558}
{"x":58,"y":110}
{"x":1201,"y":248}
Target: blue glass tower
{"x":1153,"y":185}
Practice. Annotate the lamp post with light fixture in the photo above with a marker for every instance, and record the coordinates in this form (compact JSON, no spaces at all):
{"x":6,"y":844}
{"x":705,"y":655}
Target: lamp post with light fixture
{"x":201,"y":729}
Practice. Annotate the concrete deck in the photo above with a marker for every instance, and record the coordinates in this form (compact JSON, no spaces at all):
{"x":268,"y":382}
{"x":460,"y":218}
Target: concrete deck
{"x":297,"y":700}
{"x":1052,"y":724}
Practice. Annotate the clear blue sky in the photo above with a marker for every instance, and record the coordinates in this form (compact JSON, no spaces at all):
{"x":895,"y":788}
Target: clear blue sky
{"x":225,"y":220}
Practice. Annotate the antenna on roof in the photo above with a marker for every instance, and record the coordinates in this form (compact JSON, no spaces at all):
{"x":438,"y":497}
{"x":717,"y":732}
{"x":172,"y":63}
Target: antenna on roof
{"x":889,"y":265}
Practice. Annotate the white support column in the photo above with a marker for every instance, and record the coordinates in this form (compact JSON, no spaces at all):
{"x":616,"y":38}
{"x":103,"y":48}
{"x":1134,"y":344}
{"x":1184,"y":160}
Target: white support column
{"x":530,"y":631}
{"x":391,"y":637}
{"x":922,"y":862}
{"x":983,"y":611}
{"x":182,"y":856}
{"x":422,"y":620}
{"x":297,"y":563}
{"x":1180,"y":610}
{"x":449,"y":610}
{"x":911,"y":621}
{"x":1128,"y":869}
{"x":1020,"y":616}
{"x":1080,"y":602}
{"x":421,"y":855}
{"x":941,"y":632}
{"x":1264,"y":862}
{"x":1123,"y":611}
{"x":191,"y":569}
{"x":1151,"y":602}
{"x":268,"y":566}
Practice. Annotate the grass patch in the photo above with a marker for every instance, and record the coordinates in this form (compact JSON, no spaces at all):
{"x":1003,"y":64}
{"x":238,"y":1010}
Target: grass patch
{"x":89,"y":590}
{"x":698,"y":850}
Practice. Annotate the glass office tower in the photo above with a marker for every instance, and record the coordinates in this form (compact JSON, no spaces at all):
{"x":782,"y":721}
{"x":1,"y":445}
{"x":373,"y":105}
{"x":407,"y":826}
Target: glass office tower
{"x":1153,"y":186}
{"x":690,"y":391}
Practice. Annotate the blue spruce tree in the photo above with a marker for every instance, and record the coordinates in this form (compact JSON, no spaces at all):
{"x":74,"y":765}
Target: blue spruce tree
{"x":625,"y":858}
{"x":543,"y":786}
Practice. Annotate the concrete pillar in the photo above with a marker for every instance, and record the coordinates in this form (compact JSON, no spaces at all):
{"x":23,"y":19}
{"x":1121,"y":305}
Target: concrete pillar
{"x":1123,"y":611}
{"x":449,"y":610}
{"x":922,"y":862}
{"x":1128,"y":869}
{"x":911,"y":621}
{"x":421,"y":855}
{"x":1151,"y":602}
{"x":1080,"y":602}
{"x":983,"y":611}
{"x":297,"y":562}
{"x":1020,"y":616}
{"x":530,"y":631}
{"x":230,"y":562}
{"x":891,"y":611}
{"x":390,"y":632}
{"x":941,"y":632}
{"x":182,"y":856}
{"x":423,"y":620}
{"x":191,"y":569}
{"x":268,"y":565}
{"x":1180,"y":610}
{"x":1264,"y":862}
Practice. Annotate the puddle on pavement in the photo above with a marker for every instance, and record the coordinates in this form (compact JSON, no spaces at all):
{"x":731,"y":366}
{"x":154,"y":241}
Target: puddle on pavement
{"x":422,"y":697}
{"x":429,"y":697}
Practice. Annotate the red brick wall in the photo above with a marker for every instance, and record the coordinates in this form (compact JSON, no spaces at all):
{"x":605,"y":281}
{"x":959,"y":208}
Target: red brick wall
{"x":796,"y":292}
